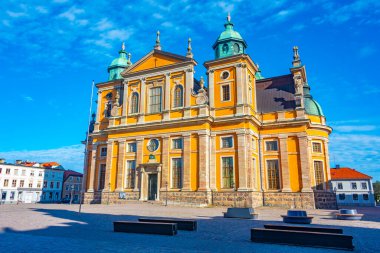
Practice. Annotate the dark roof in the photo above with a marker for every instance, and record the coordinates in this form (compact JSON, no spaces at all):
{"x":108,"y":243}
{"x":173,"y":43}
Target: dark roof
{"x":275,"y":94}
{"x":69,"y":173}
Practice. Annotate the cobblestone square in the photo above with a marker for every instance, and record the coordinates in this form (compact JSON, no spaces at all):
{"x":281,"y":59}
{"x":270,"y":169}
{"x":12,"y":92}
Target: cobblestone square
{"x":60,"y":228}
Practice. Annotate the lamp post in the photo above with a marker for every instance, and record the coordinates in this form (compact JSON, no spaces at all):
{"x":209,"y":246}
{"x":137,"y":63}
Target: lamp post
{"x":71,"y":194}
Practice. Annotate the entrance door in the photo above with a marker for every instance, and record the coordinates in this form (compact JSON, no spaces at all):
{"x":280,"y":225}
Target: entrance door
{"x":152,"y":186}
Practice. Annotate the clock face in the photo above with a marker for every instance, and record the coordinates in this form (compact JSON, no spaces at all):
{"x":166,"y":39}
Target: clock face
{"x":236,"y":48}
{"x":153,"y":145}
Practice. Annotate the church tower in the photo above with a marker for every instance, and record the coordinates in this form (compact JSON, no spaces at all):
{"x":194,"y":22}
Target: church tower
{"x":229,"y":42}
{"x":119,"y":64}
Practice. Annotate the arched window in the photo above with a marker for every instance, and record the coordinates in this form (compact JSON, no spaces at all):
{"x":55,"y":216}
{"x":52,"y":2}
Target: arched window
{"x":135,"y":103}
{"x":225,"y":48}
{"x":178,"y":96}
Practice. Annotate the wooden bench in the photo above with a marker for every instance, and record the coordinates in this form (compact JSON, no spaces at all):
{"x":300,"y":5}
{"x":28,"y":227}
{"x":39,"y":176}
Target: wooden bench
{"x":189,"y":225}
{"x":302,"y":238}
{"x":241,"y":213}
{"x":307,"y":229}
{"x":145,"y":227}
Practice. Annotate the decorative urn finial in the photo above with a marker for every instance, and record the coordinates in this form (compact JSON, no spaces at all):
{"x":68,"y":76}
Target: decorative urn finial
{"x":158,"y":44}
{"x":296,"y":57}
{"x":189,"y":54}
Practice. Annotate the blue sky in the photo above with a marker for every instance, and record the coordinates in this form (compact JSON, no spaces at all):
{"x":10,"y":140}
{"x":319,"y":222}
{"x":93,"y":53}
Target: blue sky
{"x":50,"y":51}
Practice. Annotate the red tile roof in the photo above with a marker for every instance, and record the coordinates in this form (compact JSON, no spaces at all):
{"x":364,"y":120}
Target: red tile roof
{"x":50,"y":164}
{"x":347,"y":173}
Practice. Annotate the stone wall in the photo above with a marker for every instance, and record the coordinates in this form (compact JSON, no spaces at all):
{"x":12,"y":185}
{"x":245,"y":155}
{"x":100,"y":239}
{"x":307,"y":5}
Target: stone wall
{"x":325,"y":200}
{"x":299,"y":200}
{"x":185,"y":198}
{"x":237,"y":199}
{"x":109,"y":198}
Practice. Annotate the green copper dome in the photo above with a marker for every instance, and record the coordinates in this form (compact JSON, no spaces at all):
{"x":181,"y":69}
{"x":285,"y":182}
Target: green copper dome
{"x":258,"y":74}
{"x":229,"y":42}
{"x":119,"y":64}
{"x":311,"y":106}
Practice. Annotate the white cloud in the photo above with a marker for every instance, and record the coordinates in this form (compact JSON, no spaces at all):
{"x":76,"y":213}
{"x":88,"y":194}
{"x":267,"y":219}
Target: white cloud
{"x":354,"y":128}
{"x":118,"y":34}
{"x":42,"y":9}
{"x":71,"y":13}
{"x":16,"y":14}
{"x":103,"y":24}
{"x":70,"y":157}
{"x":27,"y":98}
{"x":298,"y":27}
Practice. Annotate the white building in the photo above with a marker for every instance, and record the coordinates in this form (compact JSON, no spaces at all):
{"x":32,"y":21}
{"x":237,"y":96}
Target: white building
{"x":20,"y":183}
{"x":352,"y":187}
{"x":30,"y":182}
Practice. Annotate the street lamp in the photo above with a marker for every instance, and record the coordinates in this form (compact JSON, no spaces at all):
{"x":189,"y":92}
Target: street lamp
{"x":72,"y":193}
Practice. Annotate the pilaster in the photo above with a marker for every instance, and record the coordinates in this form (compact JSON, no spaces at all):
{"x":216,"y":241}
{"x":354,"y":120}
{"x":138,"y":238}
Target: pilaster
{"x":204,"y":161}
{"x":142,"y":101}
{"x":139,"y":160}
{"x":211,"y":88}
{"x":305,"y":163}
{"x":284,"y":163}
{"x":327,"y":157}
{"x":92,"y":169}
{"x":213,"y":162}
{"x":107,"y":181}
{"x":165,"y":163}
{"x":125,"y":104}
{"x":120,"y":166}
{"x":242,"y":161}
{"x":186,"y":162}
{"x":167,"y":97}
{"x":189,"y":77}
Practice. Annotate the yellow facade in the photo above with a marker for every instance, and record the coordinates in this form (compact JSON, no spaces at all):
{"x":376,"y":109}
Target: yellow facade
{"x":227,"y":141}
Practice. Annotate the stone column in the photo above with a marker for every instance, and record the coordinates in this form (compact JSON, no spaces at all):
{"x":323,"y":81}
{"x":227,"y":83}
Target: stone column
{"x":305,"y":164}
{"x":142,"y":101}
{"x":284,"y":163}
{"x":211,"y":88}
{"x":204,"y":161}
{"x":120,"y":167}
{"x":186,"y":162}
{"x":99,"y":102}
{"x":158,"y":182}
{"x":242,"y":160}
{"x":167,"y":97}
{"x":251,"y":171}
{"x":213,"y":162}
{"x":107,"y":180}
{"x":92,"y":168}
{"x":239,"y":85}
{"x":125,"y":104}
{"x":142,"y":183}
{"x":189,"y":80}
{"x":165,"y":162}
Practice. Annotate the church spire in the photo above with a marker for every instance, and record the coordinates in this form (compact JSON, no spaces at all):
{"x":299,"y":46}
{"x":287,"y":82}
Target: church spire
{"x":158,"y":43}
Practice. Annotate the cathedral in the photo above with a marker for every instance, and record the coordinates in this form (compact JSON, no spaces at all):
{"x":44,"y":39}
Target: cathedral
{"x":235,"y":138}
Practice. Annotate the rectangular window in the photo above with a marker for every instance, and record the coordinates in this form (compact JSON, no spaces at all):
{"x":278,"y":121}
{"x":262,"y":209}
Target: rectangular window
{"x":177,"y":173}
{"x":177,"y":143}
{"x":317,"y":147}
{"x":342,"y":196}
{"x":226,"y":93}
{"x":15,"y":172}
{"x":14,"y":183}
{"x":22,"y":183}
{"x":318,"y":170}
{"x":32,"y":173}
{"x":227,"y":142}
{"x":271,"y":146}
{"x":253,"y":144}
{"x":354,"y":186}
{"x":1,"y":169}
{"x":130,"y":174}
{"x":6,"y":182}
{"x":39,"y":185}
{"x":23,"y":172}
{"x":132,"y":147}
{"x":31,"y":184}
{"x":228,"y":172}
{"x":8,"y":171}
{"x":103,"y":152}
{"x":102,"y":176}
{"x":365,"y":197}
{"x":51,"y":185}
{"x":155,"y":100}
{"x":364,"y":186}
{"x":67,"y":187}
{"x":273,"y":175}
{"x":40,"y":174}
{"x":58,"y":185}
{"x":340,"y":186}
{"x":355,"y":197}
{"x":12,"y":196}
{"x":45,"y":184}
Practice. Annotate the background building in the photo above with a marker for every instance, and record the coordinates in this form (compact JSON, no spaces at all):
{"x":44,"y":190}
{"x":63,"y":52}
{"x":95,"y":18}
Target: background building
{"x":20,"y":182}
{"x":239,"y":138}
{"x":72,"y":185}
{"x":352,"y":187}
{"x":53,"y":180}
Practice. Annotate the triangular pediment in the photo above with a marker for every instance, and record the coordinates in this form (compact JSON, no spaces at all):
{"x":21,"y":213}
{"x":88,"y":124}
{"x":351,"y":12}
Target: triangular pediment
{"x":155,"y":59}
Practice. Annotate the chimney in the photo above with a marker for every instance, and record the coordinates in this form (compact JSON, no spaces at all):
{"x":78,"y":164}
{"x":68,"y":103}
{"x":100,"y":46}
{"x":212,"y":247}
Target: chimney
{"x":337,"y":166}
{"x":2,"y":160}
{"x":18,"y":161}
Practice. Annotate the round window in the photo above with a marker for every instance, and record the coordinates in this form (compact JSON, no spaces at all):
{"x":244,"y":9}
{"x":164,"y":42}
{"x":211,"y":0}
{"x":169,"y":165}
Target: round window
{"x":153,"y":145}
{"x":225,"y":75}
{"x":236,"y":48}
